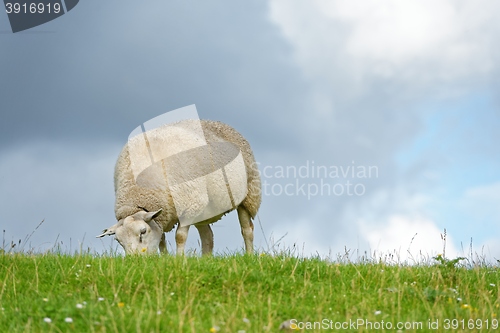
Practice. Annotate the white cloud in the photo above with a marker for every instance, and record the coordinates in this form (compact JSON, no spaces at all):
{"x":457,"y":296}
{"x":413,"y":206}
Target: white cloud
{"x":419,"y":43}
{"x":392,"y":30}
{"x":302,"y":236}
{"x":407,"y":237}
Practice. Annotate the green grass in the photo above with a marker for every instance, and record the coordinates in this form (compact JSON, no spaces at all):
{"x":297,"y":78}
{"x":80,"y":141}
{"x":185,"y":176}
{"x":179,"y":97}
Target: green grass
{"x":237,"y":293}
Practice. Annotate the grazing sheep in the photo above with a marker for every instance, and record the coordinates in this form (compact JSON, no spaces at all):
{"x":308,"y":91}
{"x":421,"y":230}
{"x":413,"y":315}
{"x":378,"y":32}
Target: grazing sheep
{"x":202,"y":170}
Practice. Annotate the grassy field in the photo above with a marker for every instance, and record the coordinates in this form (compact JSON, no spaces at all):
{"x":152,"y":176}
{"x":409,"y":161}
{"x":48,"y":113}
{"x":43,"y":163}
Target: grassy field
{"x":237,"y":293}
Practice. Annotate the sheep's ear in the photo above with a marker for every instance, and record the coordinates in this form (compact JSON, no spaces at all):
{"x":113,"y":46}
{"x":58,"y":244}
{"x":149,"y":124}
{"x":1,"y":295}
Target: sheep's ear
{"x":111,"y":230}
{"x":151,"y":215}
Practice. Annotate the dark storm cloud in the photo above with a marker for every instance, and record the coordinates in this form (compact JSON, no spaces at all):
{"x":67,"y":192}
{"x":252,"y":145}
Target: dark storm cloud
{"x":112,"y":65}
{"x":71,"y":94}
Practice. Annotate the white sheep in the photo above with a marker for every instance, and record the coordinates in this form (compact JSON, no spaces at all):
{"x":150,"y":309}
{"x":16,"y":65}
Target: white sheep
{"x":190,"y":172}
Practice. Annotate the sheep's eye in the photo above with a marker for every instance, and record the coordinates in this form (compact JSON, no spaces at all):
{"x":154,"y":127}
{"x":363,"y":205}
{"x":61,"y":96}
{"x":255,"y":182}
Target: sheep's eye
{"x":143,"y":231}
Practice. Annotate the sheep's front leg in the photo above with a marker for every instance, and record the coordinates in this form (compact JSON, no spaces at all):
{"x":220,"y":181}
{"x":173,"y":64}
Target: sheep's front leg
{"x":163,"y":244}
{"x":246,"y":228}
{"x":207,"y":238}
{"x":181,"y":235}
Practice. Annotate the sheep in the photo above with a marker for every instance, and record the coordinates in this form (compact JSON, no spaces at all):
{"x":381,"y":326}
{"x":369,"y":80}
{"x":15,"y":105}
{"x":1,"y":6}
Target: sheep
{"x":203,"y":170}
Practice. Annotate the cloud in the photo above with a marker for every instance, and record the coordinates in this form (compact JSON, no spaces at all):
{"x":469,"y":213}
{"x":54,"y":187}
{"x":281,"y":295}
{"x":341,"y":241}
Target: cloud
{"x":69,"y":187}
{"x":101,"y":77}
{"x":420,"y":44}
{"x":379,"y":69}
{"x":409,"y":239}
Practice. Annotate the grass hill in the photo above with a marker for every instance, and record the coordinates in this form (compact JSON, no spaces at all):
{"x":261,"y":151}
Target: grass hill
{"x":239,"y":293}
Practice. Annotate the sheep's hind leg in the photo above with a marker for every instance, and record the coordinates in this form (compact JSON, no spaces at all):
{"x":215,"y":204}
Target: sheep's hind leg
{"x":207,"y":238}
{"x":181,"y":235}
{"x":246,"y":228}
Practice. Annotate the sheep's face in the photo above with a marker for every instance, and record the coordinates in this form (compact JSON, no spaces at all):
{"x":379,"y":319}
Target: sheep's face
{"x":138,"y":233}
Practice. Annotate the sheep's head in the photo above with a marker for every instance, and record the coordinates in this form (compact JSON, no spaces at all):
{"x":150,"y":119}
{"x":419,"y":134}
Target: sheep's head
{"x":137,"y":233}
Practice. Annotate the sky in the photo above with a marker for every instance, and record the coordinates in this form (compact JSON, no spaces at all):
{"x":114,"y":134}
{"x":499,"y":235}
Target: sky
{"x":374,"y":123}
